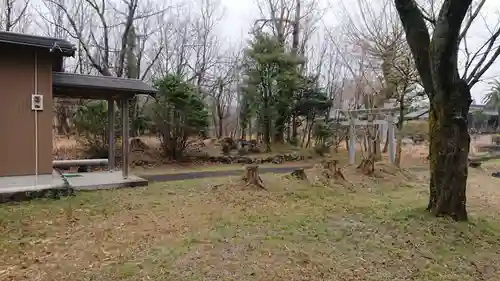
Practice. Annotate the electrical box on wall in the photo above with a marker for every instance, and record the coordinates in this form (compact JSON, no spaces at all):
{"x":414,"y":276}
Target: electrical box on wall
{"x":37,"y":102}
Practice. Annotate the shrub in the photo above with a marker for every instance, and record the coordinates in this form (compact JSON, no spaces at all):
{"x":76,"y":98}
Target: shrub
{"x":179,"y":113}
{"x":321,"y":150}
{"x":91,"y":124}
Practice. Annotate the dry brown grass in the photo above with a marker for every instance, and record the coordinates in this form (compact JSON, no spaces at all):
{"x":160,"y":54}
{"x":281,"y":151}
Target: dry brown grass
{"x":218,"y":229}
{"x":416,"y":127}
{"x":68,"y":147}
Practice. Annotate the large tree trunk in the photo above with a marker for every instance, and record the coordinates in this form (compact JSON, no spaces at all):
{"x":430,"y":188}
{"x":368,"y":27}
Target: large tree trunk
{"x":399,"y":143}
{"x":436,"y":59}
{"x":250,"y":128}
{"x":377,"y":153}
{"x":267,"y":124}
{"x":294,"y":137}
{"x":449,"y":150}
{"x":220,"y":128}
{"x":280,"y":126}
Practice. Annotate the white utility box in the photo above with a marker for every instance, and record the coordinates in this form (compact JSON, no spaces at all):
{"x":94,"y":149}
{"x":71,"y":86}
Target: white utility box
{"x":37,"y":102}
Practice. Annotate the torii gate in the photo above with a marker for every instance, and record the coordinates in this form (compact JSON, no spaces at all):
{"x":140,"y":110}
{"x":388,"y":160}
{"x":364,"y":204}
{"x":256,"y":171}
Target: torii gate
{"x":375,"y":116}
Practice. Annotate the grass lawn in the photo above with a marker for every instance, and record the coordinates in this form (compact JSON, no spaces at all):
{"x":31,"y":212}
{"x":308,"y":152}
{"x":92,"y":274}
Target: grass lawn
{"x":211,"y":230}
{"x":493,"y":162}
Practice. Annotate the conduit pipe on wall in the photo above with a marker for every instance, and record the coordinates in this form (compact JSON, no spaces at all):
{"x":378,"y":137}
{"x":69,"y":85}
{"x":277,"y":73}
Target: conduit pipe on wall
{"x":36,"y":121}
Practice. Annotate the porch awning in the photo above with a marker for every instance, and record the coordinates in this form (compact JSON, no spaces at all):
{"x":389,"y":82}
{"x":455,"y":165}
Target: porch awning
{"x":56,"y":45}
{"x":71,"y":85}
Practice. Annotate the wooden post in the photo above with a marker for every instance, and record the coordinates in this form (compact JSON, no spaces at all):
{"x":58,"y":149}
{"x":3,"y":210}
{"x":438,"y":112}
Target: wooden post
{"x":352,"y":141}
{"x":111,"y":134}
{"x":392,"y":137}
{"x":125,"y":136}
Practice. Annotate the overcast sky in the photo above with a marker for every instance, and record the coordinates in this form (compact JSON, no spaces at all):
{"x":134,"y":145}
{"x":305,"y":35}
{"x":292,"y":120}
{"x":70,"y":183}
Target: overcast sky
{"x":240,"y":14}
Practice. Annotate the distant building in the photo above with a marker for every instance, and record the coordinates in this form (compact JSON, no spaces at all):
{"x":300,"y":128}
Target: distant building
{"x":491,"y":124}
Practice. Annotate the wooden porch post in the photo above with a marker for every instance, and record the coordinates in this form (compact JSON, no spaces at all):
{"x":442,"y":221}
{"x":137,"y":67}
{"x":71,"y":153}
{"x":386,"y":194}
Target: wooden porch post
{"x":125,"y":136}
{"x":111,"y":134}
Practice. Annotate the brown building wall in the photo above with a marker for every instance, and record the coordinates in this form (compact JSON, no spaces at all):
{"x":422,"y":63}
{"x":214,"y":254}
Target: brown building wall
{"x":17,"y":120}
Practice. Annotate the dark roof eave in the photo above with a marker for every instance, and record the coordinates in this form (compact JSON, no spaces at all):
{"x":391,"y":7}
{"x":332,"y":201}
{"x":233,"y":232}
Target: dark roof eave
{"x":106,"y":89}
{"x":101,"y":83}
{"x":55,"y":45}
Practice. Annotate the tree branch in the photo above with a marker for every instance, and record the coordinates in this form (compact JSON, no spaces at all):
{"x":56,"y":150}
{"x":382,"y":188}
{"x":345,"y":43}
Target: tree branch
{"x":481,"y":67}
{"x":418,"y":39}
{"x":472,"y":17}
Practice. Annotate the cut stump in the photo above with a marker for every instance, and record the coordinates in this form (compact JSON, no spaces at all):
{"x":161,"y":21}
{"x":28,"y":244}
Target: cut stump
{"x":331,"y":171}
{"x":251,"y":176}
{"x":138,"y":144}
{"x":299,"y":174}
{"x":367,"y":166}
{"x":474,"y":164}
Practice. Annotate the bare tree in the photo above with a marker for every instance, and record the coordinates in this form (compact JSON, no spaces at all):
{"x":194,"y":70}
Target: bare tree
{"x":113,"y":39}
{"x":13,"y":14}
{"x":436,"y":58}
{"x":407,"y":87}
{"x":287,"y":19}
{"x":191,"y":43}
{"x":207,"y":44}
{"x":380,"y":34}
{"x":223,"y":90}
{"x":102,"y":30}
{"x":177,"y":43}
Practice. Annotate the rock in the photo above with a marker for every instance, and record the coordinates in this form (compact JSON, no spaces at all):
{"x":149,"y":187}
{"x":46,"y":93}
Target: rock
{"x":230,"y":142}
{"x":299,"y":174}
{"x":406,"y":141}
{"x":496,"y":139}
{"x":243,"y":150}
{"x":226,"y":149}
{"x":418,"y":139}
{"x":244,"y":159}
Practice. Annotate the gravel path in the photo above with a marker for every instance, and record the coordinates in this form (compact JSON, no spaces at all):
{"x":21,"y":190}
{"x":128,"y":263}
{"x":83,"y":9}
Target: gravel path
{"x":216,"y":174}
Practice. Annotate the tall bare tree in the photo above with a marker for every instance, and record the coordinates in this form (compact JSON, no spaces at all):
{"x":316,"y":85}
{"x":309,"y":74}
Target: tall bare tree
{"x":376,"y":28}
{"x":112,"y":38}
{"x":104,"y":32}
{"x":207,"y":44}
{"x":434,"y":42}
{"x":223,"y":90}
{"x":13,"y":14}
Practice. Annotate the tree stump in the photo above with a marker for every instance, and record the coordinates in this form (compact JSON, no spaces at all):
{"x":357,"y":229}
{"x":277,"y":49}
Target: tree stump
{"x":367,"y":166}
{"x":252,"y":176}
{"x":299,"y":174}
{"x":329,"y":165}
{"x":138,"y":144}
{"x":332,"y":171}
{"x":474,"y":163}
